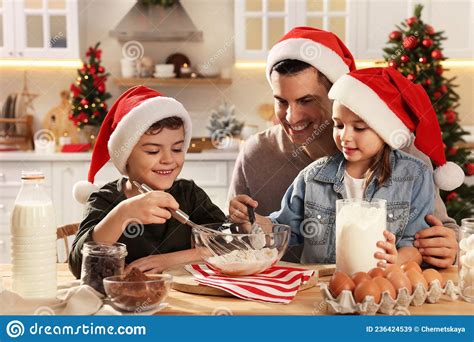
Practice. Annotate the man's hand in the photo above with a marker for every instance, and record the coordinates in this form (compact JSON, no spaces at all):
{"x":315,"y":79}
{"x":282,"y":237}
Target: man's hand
{"x":438,"y":244}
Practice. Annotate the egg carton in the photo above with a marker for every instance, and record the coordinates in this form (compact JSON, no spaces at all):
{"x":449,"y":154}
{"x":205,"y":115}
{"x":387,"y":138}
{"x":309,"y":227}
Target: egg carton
{"x":346,"y":304}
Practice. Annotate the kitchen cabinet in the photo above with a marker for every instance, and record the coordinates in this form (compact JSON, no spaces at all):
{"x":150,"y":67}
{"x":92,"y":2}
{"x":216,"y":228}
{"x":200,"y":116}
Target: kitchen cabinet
{"x":364,"y":25}
{"x":39,"y":29}
{"x":211,"y":171}
{"x":259,"y":24}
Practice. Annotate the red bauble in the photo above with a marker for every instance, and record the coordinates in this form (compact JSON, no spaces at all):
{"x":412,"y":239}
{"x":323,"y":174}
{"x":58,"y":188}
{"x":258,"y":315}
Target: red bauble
{"x":410,"y":42}
{"x":101,"y":88}
{"x":469,"y":169}
{"x":436,"y":95}
{"x":101,"y":69}
{"x":436,"y":54}
{"x":428,"y":82}
{"x":439,"y":69}
{"x":427,"y":42}
{"x":84,"y":102}
{"x":411,"y":77}
{"x":423,"y":60}
{"x":443,"y":89}
{"x":404,"y":58}
{"x":450,"y":116}
{"x":395,"y":35}
{"x":451,"y":196}
{"x":429,"y":30}
{"x":393,"y":64}
{"x":411,"y":21}
{"x":452,"y":151}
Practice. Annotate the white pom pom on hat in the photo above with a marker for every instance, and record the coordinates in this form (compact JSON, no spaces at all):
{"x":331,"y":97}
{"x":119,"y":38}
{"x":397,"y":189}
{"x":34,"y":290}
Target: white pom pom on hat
{"x":128,"y":119}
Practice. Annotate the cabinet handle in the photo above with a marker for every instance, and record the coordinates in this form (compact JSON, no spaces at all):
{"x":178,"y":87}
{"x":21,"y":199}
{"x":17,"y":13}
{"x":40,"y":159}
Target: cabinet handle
{"x":10,"y":53}
{"x":20,"y":53}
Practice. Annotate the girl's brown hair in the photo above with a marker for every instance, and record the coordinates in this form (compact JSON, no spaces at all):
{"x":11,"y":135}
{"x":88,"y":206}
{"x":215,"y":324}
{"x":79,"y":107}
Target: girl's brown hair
{"x":172,"y":122}
{"x":381,"y":168}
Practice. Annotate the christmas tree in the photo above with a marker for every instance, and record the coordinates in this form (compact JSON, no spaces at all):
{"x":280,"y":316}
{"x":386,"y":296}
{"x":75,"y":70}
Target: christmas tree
{"x":415,"y":50}
{"x":88,"y":93}
{"x":223,"y":120}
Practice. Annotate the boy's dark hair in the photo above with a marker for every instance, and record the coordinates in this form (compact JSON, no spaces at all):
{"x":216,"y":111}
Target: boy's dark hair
{"x":289,"y":67}
{"x":172,"y":122}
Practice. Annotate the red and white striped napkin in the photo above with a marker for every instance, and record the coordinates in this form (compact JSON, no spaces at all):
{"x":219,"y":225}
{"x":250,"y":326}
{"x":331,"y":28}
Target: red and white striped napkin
{"x":278,"y":284}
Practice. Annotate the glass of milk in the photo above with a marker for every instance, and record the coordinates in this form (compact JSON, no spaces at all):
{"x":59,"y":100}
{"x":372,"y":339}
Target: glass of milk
{"x":359,"y":225}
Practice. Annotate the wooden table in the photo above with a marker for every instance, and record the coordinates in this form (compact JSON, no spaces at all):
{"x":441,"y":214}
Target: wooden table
{"x":307,"y":302}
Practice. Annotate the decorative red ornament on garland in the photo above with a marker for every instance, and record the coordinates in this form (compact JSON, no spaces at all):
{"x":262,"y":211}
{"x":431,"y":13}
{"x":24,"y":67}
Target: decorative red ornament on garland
{"x":395,"y":35}
{"x":411,"y":21}
{"x":404,"y":58}
{"x":427,"y":42}
{"x":470,"y":169}
{"x":450,"y":117}
{"x":451,"y":196}
{"x":410,"y":43}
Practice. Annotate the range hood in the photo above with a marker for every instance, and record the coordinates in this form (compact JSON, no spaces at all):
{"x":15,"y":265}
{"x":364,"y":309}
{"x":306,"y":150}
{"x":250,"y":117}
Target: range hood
{"x":155,"y":23}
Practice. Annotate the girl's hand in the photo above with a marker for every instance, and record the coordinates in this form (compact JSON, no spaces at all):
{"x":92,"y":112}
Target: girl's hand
{"x":391,"y":254}
{"x":149,"y":264}
{"x":238,"y":212}
{"x":151,"y":207}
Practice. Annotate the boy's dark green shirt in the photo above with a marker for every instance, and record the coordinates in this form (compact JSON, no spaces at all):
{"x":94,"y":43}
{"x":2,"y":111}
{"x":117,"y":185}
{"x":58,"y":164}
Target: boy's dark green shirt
{"x":169,"y":237}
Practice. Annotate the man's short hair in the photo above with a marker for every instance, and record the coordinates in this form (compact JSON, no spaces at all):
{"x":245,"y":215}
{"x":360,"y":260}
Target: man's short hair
{"x":289,"y":67}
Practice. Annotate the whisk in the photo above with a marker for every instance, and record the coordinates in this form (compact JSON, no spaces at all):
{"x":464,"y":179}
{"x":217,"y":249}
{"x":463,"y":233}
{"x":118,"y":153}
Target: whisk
{"x":211,"y":240}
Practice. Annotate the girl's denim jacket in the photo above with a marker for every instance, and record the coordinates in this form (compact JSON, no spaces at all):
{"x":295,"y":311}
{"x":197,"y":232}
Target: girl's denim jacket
{"x":309,"y":204}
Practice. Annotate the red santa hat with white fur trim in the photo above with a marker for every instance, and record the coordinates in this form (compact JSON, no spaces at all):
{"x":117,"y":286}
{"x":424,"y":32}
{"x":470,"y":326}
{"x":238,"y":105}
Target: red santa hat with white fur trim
{"x":321,"y":49}
{"x":394,"y":108}
{"x":134,"y":112}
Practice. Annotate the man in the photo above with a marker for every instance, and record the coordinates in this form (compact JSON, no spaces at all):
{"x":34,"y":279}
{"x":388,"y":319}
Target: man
{"x":301,"y":69}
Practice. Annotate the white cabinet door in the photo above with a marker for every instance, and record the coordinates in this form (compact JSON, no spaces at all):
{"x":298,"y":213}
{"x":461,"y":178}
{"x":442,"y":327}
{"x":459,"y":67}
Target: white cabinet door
{"x":42,"y":29}
{"x":7,"y":41}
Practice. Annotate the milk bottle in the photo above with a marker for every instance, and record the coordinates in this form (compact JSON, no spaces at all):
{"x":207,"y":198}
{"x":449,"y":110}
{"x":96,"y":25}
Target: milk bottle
{"x":359,"y":225}
{"x":33,"y":234}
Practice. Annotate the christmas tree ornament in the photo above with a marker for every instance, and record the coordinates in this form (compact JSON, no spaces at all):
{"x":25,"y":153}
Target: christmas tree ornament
{"x":429,"y":30}
{"x":404,"y":58}
{"x":452,"y":151}
{"x":410,"y":42}
{"x":439,"y":70}
{"x":395,"y":35}
{"x":450,"y":116}
{"x":436,"y":54}
{"x":427,"y":82}
{"x":427,"y":42}
{"x":451,"y":196}
{"x":411,"y":77}
{"x":423,"y":60}
{"x":469,"y":169}
{"x":393,"y":64}
{"x":411,"y":21}
{"x":443,"y":89}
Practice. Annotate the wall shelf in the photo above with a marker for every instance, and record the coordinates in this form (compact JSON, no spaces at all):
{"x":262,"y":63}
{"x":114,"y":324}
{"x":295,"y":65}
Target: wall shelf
{"x":171,"y":82}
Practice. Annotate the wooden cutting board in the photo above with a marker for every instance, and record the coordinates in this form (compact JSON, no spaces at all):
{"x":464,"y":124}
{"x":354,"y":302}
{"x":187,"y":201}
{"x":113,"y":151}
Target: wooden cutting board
{"x":183,"y":280}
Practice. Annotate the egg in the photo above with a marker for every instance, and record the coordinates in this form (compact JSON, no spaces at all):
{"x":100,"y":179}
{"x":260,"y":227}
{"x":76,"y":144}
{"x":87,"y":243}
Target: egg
{"x":376,"y":272}
{"x":359,"y":277}
{"x":400,"y":280}
{"x":367,"y":288}
{"x":416,"y":278}
{"x":340,"y":282}
{"x":391,"y":268}
{"x":431,"y":274}
{"x":411,"y":265}
{"x":385,"y":285}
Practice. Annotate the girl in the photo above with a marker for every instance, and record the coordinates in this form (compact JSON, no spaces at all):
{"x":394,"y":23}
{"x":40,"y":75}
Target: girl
{"x":374,"y":112}
{"x":146,"y":136}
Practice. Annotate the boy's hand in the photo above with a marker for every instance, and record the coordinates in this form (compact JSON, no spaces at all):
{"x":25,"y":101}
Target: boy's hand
{"x":149,"y":264}
{"x":151,"y":207}
{"x":391,"y":254}
{"x":238,"y":212}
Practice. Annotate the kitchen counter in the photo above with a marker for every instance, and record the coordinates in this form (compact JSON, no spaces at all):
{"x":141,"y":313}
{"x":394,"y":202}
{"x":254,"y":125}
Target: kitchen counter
{"x":86,"y":156}
{"x":307,"y":302}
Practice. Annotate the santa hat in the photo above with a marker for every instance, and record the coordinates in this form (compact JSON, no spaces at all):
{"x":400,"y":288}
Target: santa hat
{"x":134,"y":112}
{"x":394,"y":108}
{"x":321,"y":49}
